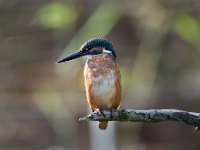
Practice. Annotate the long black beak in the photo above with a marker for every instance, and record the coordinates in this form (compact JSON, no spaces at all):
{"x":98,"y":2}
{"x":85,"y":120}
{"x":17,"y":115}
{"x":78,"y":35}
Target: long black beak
{"x":72,"y":56}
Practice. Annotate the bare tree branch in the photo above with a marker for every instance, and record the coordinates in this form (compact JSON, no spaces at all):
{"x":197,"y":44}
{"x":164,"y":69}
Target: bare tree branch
{"x":151,"y":115}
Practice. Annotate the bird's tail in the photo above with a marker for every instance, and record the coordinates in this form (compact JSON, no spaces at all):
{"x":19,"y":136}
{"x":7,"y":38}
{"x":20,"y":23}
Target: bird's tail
{"x":103,"y":125}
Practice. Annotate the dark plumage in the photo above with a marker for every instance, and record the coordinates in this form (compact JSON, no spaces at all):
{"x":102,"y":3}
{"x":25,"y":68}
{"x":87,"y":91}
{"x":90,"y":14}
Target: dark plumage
{"x":99,"y":42}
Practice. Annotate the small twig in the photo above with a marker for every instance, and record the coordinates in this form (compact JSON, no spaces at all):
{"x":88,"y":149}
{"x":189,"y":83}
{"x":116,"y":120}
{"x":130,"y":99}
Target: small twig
{"x":151,"y":115}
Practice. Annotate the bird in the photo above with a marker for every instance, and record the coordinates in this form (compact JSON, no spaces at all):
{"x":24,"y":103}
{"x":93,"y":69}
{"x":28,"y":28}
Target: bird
{"x":101,"y":75}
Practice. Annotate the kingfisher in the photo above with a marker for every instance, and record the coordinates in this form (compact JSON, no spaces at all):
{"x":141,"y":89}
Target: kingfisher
{"x":101,"y":74}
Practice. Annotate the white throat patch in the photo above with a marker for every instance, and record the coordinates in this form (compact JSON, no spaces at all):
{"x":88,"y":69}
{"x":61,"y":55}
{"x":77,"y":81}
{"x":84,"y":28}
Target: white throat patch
{"x":107,"y":51}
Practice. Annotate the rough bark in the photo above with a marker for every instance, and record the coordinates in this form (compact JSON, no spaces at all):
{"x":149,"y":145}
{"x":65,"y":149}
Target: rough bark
{"x":151,"y":115}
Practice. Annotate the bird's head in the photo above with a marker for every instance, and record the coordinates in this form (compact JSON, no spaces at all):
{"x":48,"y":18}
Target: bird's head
{"x":92,"y":47}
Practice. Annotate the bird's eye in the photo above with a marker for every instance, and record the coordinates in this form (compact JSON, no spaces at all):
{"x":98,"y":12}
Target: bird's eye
{"x":84,"y":49}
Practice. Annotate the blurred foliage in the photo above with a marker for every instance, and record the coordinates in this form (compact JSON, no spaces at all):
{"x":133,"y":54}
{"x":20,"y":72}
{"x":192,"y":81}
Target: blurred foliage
{"x":41,"y":101}
{"x":56,"y":15}
{"x":97,"y":25}
{"x":125,"y":76}
{"x":188,"y":28}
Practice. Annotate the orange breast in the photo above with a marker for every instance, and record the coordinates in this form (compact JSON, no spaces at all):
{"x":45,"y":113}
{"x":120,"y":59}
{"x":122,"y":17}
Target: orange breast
{"x":102,"y":82}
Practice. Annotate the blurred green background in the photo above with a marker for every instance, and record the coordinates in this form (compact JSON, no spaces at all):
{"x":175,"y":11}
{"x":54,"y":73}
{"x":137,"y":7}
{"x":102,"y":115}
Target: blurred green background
{"x":158,"y":49}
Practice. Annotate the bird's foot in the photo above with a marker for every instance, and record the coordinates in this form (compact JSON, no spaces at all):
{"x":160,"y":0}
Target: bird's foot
{"x":103,"y":112}
{"x":99,"y":111}
{"x":112,"y":110}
